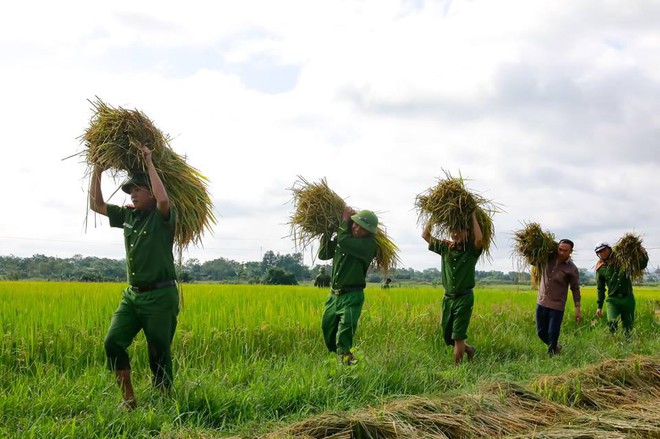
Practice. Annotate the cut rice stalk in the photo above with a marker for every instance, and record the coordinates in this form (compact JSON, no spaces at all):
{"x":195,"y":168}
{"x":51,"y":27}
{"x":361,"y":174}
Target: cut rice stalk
{"x":317,"y":213}
{"x":112,"y":142}
{"x":448,"y":206}
{"x":630,"y":256}
{"x":534,"y":247}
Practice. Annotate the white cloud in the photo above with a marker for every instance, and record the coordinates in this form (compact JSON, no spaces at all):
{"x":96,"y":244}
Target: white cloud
{"x":548,"y":107}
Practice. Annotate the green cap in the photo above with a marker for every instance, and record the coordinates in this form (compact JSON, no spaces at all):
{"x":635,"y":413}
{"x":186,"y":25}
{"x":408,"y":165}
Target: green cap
{"x":367,"y":220}
{"x":138,"y":179}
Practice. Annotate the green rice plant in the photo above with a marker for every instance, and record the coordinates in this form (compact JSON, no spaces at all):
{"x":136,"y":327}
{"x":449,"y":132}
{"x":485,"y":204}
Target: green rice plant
{"x":113,"y":140}
{"x":448,"y":206}
{"x":249,"y":360}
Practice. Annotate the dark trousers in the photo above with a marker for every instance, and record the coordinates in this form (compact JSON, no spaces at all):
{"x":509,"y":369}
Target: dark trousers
{"x":340,"y":320}
{"x":154,"y":312}
{"x":548,"y":325}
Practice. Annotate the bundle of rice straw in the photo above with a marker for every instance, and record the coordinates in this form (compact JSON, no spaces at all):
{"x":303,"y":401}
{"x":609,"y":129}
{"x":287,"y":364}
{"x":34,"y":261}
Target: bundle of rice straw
{"x":449,"y":206}
{"x":630,"y":256}
{"x":112,"y":141}
{"x":317,"y":212}
{"x":535,"y":247}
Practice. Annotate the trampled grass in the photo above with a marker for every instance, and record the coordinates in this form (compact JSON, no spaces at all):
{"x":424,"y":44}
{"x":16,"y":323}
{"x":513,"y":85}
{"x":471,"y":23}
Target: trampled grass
{"x":250,"y":359}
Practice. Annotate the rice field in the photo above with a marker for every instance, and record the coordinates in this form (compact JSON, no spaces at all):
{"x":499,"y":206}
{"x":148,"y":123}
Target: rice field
{"x":250,"y":360}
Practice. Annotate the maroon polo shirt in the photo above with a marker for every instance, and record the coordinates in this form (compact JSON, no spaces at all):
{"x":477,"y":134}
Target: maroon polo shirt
{"x":556,"y":278}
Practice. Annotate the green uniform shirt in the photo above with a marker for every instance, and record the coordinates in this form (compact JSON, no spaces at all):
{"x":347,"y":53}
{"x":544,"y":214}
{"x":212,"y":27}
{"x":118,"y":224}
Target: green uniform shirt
{"x":148,"y":238}
{"x":617,"y":282}
{"x":457,"y":265}
{"x":351,"y":257}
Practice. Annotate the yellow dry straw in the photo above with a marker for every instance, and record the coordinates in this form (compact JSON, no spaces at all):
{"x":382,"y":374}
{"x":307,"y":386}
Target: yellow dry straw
{"x":534,"y":247}
{"x":112,"y":142}
{"x":317,"y":212}
{"x":449,"y":205}
{"x":387,"y":252}
{"x":630,"y":256}
{"x":607,"y":385}
{"x":504,"y":409}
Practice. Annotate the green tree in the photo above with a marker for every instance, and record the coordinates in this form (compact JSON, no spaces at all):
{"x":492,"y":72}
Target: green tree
{"x":278,"y":276}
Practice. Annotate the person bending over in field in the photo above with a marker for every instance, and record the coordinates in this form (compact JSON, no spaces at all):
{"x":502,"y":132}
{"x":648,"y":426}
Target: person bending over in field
{"x":151,"y":301}
{"x":556,"y":277}
{"x":459,"y":259}
{"x":351,"y":251}
{"x":620,"y":299}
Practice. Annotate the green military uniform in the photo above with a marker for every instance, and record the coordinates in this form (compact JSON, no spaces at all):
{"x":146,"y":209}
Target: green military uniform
{"x":351,"y":258}
{"x":458,"y":269}
{"x":151,"y":302}
{"x":620,"y":299}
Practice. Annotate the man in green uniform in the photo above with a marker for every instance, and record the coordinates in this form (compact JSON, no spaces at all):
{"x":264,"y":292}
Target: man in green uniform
{"x":322,"y":280}
{"x":151,"y":301}
{"x":352,"y":251}
{"x":459,"y":259}
{"x":620,"y":299}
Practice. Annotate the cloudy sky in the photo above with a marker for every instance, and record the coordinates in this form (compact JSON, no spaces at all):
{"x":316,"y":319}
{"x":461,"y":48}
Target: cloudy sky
{"x":551,"y":108}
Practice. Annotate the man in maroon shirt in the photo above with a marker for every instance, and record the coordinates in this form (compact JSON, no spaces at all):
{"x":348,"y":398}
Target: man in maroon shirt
{"x":556,"y":277}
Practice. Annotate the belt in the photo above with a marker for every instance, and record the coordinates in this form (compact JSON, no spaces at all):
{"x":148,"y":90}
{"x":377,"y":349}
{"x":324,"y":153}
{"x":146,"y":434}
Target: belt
{"x":459,"y":294}
{"x":345,"y":290}
{"x":621,"y":294}
{"x":154,"y":286}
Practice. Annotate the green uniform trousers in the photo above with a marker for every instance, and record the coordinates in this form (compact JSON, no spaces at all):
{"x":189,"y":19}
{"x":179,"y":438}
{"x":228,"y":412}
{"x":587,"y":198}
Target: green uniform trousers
{"x":456,"y":313}
{"x":621,"y":306}
{"x":155,"y":312}
{"x":340,"y":320}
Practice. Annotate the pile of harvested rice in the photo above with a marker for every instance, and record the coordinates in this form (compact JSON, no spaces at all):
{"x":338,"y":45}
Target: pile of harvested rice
{"x":112,"y":141}
{"x":449,"y":205}
{"x":534,"y":247}
{"x":623,"y":397}
{"x":630,"y":256}
{"x":317,"y":212}
{"x":607,"y":385}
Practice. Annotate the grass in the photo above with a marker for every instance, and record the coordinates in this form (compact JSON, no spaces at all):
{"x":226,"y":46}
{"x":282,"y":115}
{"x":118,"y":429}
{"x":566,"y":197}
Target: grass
{"x":250,"y":359}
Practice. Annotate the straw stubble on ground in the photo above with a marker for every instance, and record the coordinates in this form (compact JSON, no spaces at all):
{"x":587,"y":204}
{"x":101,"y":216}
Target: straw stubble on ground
{"x":630,"y":389}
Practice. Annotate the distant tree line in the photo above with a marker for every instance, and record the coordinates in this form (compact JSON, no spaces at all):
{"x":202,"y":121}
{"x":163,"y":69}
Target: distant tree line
{"x":76,"y":268}
{"x":274,"y":268}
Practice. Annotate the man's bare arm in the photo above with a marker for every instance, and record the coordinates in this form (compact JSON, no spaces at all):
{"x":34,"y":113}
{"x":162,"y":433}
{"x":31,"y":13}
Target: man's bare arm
{"x":157,"y":187}
{"x":96,"y":202}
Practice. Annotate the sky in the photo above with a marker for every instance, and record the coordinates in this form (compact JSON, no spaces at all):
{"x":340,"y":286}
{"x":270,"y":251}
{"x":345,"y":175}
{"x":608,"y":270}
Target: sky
{"x":549,"y":108}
